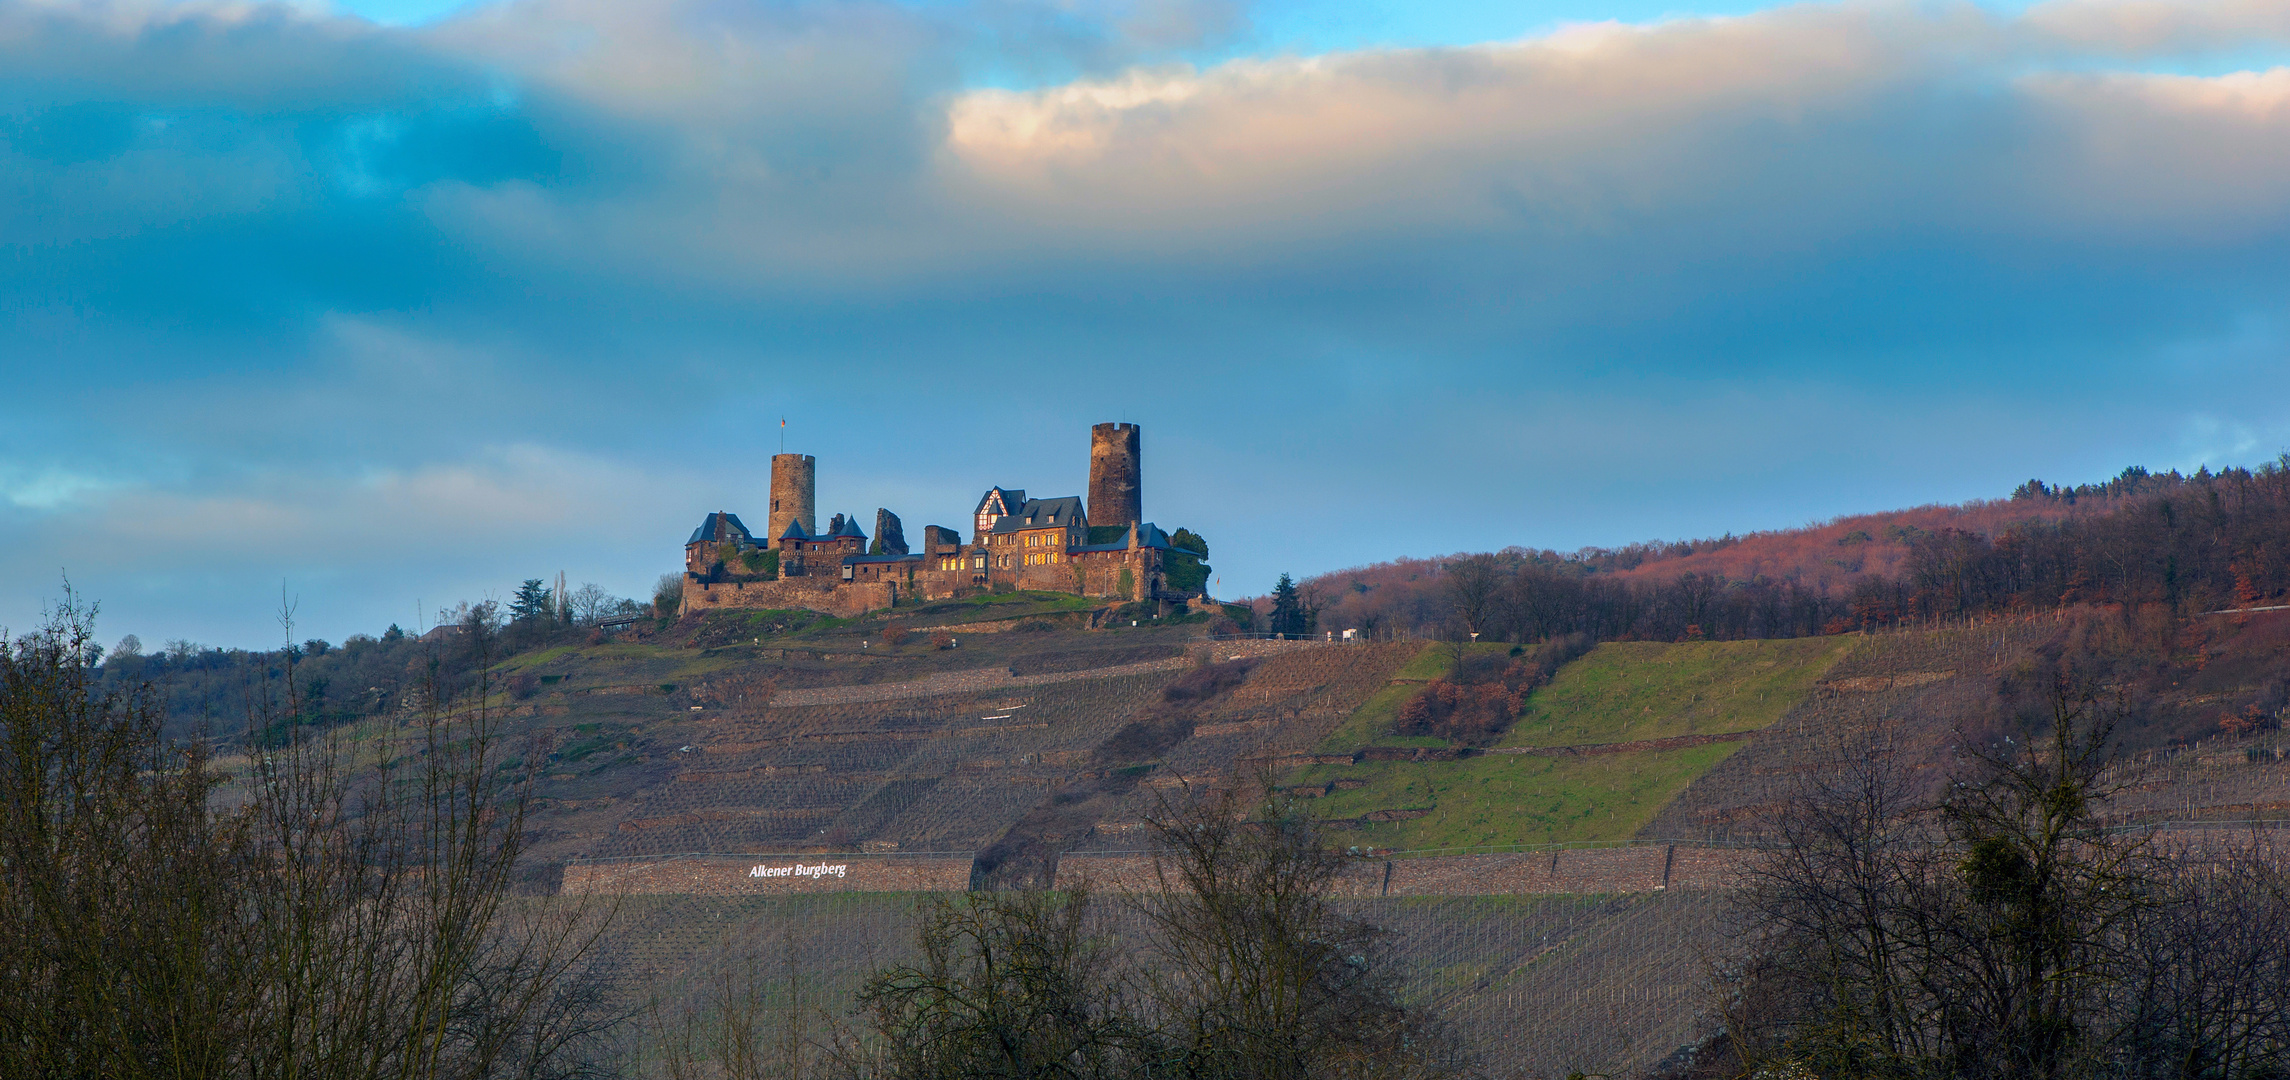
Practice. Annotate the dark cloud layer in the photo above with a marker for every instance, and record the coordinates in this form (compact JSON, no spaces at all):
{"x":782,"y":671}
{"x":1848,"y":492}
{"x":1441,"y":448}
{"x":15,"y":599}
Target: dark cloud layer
{"x":397,"y":314}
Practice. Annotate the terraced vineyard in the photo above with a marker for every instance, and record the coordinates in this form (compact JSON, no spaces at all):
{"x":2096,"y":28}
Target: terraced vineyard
{"x":1537,"y":986}
{"x":946,"y":773}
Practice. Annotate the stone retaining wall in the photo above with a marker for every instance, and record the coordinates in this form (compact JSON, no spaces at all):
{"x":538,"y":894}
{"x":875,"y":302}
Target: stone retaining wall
{"x":1595,"y":870}
{"x":1589,"y":870}
{"x":733,"y":875}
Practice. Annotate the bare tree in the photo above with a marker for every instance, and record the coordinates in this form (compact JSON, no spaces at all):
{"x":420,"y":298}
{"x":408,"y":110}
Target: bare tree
{"x":351,"y":916}
{"x":1232,"y":964}
{"x":1254,"y":973}
{"x":1012,"y":984}
{"x":589,"y":603}
{"x":1979,"y":934}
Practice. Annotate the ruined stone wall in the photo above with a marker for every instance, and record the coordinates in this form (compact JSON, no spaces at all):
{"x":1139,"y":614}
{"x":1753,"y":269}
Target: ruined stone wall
{"x":740,"y":875}
{"x":1053,"y":577}
{"x":823,"y":594}
{"x":944,"y":584}
{"x":1102,"y":569}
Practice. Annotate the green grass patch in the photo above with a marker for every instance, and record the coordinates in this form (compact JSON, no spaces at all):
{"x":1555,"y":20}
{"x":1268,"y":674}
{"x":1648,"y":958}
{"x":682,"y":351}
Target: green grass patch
{"x":1509,"y":798}
{"x":1413,"y":742}
{"x":988,"y":607}
{"x":537,"y":657}
{"x":1370,"y":721}
{"x":1632,"y":690}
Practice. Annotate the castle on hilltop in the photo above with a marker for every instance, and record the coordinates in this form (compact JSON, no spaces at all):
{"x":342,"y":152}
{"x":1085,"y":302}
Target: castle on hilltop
{"x":1100,"y":548}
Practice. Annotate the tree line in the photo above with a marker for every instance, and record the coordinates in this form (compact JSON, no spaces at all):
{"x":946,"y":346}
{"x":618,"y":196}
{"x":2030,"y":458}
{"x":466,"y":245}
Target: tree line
{"x":2156,"y":542}
{"x":204,"y":688}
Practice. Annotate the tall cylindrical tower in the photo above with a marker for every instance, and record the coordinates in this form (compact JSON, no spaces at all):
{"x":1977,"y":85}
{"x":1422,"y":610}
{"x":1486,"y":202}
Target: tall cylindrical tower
{"x":1113,"y":473}
{"x":794,"y":494}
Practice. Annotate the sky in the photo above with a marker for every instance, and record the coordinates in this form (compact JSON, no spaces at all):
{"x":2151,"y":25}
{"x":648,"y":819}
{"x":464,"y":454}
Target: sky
{"x":374,"y":307}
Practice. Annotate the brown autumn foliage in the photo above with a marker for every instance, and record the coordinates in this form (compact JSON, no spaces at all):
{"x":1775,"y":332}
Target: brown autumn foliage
{"x":1461,"y":713}
{"x":1474,"y":705}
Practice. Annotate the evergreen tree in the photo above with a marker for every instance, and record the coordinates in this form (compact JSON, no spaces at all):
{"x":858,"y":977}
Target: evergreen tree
{"x":1290,"y":614}
{"x":532,"y":602}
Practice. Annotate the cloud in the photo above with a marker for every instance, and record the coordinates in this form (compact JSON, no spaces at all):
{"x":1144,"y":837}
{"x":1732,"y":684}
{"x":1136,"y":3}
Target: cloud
{"x":2151,"y":27}
{"x":297,"y":293}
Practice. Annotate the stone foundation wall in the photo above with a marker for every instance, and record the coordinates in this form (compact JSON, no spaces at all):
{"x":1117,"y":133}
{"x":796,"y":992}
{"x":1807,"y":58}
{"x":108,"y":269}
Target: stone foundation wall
{"x":721,"y":875}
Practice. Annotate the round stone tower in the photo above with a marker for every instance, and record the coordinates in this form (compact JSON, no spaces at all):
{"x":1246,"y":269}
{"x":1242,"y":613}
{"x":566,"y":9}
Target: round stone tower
{"x":1113,"y":472}
{"x":794,"y":494}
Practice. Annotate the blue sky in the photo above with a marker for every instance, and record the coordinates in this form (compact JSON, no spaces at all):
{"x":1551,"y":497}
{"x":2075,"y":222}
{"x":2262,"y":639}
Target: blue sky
{"x":391,"y":307}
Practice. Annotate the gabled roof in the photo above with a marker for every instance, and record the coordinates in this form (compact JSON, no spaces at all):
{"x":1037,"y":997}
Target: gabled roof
{"x":720,"y":526}
{"x":795,"y":531}
{"x":1062,"y":512}
{"x":1012,"y":499}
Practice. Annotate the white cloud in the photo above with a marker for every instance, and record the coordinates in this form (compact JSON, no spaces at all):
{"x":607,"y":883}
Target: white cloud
{"x":47,"y":488}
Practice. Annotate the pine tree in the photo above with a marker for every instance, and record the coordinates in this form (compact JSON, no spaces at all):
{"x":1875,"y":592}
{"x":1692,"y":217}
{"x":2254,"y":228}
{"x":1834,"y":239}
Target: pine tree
{"x":532,"y":603}
{"x":1290,"y":615}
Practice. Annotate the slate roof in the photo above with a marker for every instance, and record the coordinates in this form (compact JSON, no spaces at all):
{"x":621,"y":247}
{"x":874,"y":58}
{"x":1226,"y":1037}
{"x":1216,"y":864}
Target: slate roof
{"x":1065,"y":512}
{"x":708,"y":529}
{"x":795,"y":531}
{"x":850,"y":528}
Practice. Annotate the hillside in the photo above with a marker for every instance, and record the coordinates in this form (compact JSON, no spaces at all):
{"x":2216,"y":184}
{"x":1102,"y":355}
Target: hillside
{"x":1012,"y":731}
{"x":1011,"y":742}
